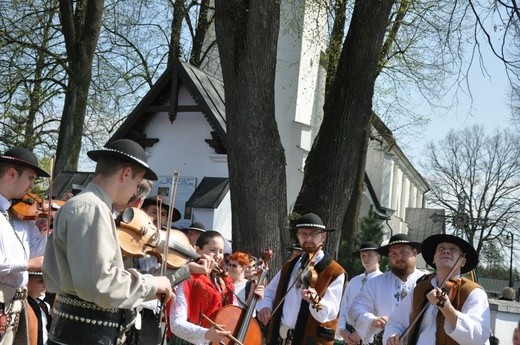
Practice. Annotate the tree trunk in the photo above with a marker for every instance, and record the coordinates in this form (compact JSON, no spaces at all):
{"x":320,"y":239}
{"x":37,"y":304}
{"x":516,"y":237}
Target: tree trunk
{"x":80,"y":27}
{"x":203,"y":24}
{"x":179,"y":12}
{"x":339,"y":151}
{"x":247,"y":34}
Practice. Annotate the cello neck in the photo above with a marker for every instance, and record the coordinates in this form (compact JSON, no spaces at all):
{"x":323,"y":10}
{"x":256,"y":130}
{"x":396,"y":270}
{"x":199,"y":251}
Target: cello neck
{"x":250,"y":310}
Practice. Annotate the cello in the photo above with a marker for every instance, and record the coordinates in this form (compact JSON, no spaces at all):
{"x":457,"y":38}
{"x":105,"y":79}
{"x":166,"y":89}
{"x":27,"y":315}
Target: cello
{"x":240,"y":321}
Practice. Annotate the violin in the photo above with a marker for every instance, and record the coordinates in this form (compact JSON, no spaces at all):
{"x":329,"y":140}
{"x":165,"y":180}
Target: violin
{"x":180,"y":251}
{"x":244,"y":328}
{"x":32,"y":206}
{"x":309,"y":279}
{"x":448,"y":291}
{"x":138,"y":235}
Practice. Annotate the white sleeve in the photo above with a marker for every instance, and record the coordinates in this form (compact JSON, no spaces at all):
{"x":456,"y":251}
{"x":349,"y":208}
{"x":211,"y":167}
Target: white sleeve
{"x":342,"y":321}
{"x":472,"y":321}
{"x":399,"y":319}
{"x":330,"y":301}
{"x":269,"y":294}
{"x":179,"y":323}
{"x":361,"y":311}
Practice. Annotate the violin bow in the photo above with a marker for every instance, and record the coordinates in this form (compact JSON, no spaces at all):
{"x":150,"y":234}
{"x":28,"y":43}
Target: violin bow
{"x":175,"y":182}
{"x":296,"y":279}
{"x":410,"y":326}
{"x":164,"y":262}
{"x":50,"y":191}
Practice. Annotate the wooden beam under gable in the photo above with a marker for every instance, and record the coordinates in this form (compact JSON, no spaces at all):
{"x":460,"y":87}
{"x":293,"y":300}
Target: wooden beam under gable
{"x":174,"y":92}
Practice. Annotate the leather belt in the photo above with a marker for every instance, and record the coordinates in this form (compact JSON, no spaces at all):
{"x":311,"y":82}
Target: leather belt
{"x":76,"y":321}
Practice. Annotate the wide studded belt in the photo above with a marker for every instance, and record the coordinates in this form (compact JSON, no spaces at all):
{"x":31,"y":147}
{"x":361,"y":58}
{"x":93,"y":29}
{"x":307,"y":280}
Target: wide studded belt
{"x":76,"y":321}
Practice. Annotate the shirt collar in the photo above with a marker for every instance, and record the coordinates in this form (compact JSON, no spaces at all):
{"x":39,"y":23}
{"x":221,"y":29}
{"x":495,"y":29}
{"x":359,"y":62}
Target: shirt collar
{"x":372,"y":274}
{"x":4,"y":203}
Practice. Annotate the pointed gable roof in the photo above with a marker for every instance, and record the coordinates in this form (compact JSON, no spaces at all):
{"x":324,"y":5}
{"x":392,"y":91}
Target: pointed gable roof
{"x":207,"y":92}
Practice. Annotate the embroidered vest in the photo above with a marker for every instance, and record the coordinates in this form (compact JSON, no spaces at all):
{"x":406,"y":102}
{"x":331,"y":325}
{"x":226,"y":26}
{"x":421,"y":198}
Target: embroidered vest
{"x":464,"y":288}
{"x":307,"y":329}
{"x":203,"y":296}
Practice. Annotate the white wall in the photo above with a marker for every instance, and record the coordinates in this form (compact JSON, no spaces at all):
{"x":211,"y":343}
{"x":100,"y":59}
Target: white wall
{"x":299,"y":85}
{"x":182,"y":148}
{"x":170,"y":154}
{"x":505,"y":316}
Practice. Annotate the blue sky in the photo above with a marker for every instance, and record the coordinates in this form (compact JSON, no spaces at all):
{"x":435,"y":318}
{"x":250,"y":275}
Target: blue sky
{"x":488,"y":106}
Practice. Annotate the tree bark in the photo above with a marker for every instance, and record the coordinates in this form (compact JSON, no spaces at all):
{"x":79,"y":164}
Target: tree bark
{"x":247,"y":35}
{"x":339,"y":150}
{"x":80,"y":27}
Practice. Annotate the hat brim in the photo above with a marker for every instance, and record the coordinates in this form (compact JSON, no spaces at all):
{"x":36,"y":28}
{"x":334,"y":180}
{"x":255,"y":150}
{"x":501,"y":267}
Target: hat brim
{"x":386,"y":248}
{"x":149,"y":173}
{"x":429,"y":246}
{"x":357,"y":253}
{"x":176,"y":213}
{"x":294,"y":228}
{"x":20,"y":162}
{"x":195,"y":229}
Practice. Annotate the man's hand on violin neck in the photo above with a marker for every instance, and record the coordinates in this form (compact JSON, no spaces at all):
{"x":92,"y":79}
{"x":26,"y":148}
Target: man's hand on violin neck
{"x":307,"y":294}
{"x":204,"y":265}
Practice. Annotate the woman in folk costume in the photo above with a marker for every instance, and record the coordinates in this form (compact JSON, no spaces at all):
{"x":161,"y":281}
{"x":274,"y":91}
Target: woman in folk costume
{"x":200,"y":295}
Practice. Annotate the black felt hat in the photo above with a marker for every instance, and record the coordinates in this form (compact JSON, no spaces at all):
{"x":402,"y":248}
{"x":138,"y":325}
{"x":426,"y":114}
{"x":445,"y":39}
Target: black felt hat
{"x":365,"y":246}
{"x":197,"y":226}
{"x":399,"y":239}
{"x":127,"y":150}
{"x":23,"y":157}
{"x":429,"y":246}
{"x":311,"y":220}
{"x":153,"y":201}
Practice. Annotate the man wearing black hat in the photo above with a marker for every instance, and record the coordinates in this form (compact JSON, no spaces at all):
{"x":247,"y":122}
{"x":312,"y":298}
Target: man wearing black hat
{"x":18,"y":171}
{"x":297,"y":312}
{"x":375,"y":302}
{"x":96,"y":295}
{"x":370,"y":257}
{"x":150,"y":206}
{"x":457,"y":316}
{"x":39,"y":325}
{"x":193,"y":232}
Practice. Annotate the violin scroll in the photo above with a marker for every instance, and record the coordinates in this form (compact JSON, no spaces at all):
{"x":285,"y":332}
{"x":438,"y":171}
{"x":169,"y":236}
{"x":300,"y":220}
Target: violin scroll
{"x":32,"y":206}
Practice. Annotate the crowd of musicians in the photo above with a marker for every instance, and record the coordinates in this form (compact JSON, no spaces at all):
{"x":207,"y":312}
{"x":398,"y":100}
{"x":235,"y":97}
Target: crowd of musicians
{"x":71,"y":282}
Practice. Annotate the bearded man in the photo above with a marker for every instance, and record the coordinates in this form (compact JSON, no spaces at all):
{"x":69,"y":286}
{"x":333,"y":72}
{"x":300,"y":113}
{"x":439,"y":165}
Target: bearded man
{"x":373,"y":305}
